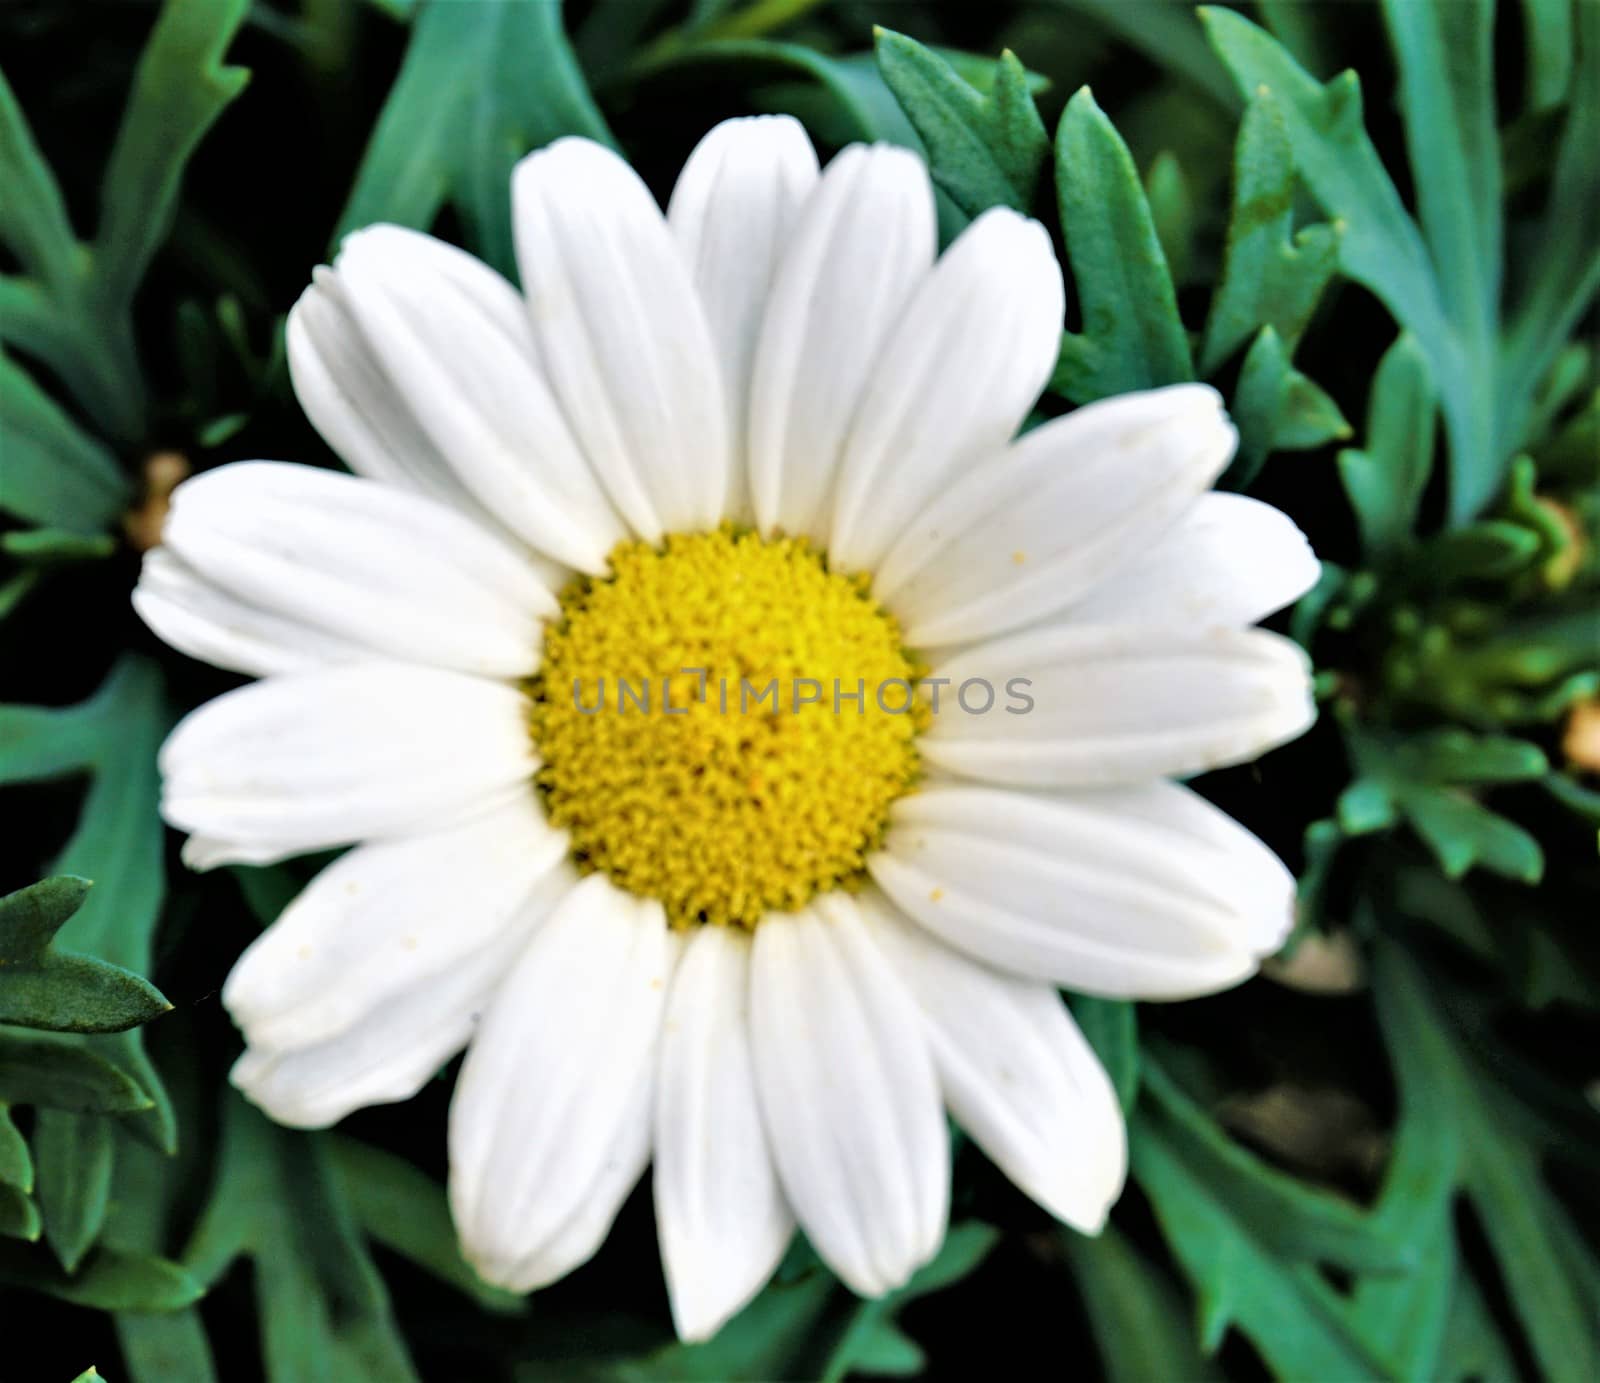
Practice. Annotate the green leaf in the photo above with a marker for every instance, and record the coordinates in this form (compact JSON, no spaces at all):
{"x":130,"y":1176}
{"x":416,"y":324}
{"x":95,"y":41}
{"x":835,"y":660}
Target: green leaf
{"x":180,"y":88}
{"x":1462,"y":832}
{"x":1138,"y":1320}
{"x":1271,"y":276}
{"x":54,"y":473}
{"x":324,"y":1313}
{"x":1172,"y":212}
{"x":1290,"y":1313}
{"x":983,"y":150}
{"x":19,"y":1216}
{"x":871,"y":1334}
{"x":1380,"y":245}
{"x":50,"y":547}
{"x":75,"y":1156}
{"x":1132,"y":335}
{"x":1488,"y":550}
{"x":481,"y":85}
{"x":1500,"y":1172}
{"x":1385,"y":480}
{"x":1276,"y":408}
{"x":1294,"y":1221}
{"x":1112,"y":1027}
{"x":16,"y":1165}
{"x":1365,"y":806}
{"x":404,"y":1210}
{"x":41,"y":988}
{"x":108,"y":1280}
{"x":54,"y":1073}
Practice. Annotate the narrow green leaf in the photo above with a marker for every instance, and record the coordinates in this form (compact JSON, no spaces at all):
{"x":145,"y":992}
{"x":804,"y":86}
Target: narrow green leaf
{"x":1139,"y":1321}
{"x":1276,"y":408}
{"x":1489,"y":550}
{"x":323,"y":1310}
{"x":109,"y":1279}
{"x":1112,"y":1027}
{"x":1297,"y":1222}
{"x":1365,"y":806}
{"x":31,"y":916}
{"x":1549,"y":41}
{"x":1462,"y":833}
{"x":179,"y":90}
{"x":481,"y":85}
{"x":983,"y":150}
{"x":1501,"y":1172}
{"x":404,"y":1210}
{"x":33,"y":215}
{"x":51,"y":547}
{"x":1291,"y":1315}
{"x":75,"y":1156}
{"x":1172,"y":212}
{"x":16,"y":1164}
{"x":19,"y":1216}
{"x":1132,"y":335}
{"x":1458,"y":756}
{"x":54,"y":473}
{"x":1446,"y":58}
{"x":1271,"y":276}
{"x":51,"y":1072}
{"x":66,"y":993}
{"x":1385,"y":480}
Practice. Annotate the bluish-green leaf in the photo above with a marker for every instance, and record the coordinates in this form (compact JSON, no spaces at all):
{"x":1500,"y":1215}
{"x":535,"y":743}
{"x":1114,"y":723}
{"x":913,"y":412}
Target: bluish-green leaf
{"x":323,"y":1310}
{"x":983,"y":150}
{"x":481,"y":85}
{"x":54,"y":472}
{"x":1385,"y":479}
{"x":1132,"y":335}
{"x":1112,"y":1027}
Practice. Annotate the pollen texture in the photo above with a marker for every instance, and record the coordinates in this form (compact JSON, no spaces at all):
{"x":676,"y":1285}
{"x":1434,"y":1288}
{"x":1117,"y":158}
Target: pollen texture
{"x":760,"y":776}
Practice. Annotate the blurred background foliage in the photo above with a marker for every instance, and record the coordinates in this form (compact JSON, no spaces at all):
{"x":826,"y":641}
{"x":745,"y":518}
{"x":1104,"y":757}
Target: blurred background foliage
{"x":1375,"y":227}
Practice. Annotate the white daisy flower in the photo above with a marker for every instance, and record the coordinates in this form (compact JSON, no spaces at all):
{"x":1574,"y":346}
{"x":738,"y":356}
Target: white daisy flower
{"x":762,"y":441}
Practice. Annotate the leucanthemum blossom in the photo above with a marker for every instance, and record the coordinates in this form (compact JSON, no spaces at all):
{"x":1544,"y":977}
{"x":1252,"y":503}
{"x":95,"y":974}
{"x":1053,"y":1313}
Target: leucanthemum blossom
{"x":766,"y":439}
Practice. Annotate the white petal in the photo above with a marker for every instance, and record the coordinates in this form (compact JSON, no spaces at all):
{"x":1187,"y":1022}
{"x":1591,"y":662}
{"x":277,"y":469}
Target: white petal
{"x":385,"y":1055}
{"x":849,"y":1095}
{"x":549,"y":1128}
{"x":1016,"y":1072}
{"x":1229,"y":560}
{"x":382,"y":918}
{"x":722,"y":1218}
{"x":958,"y":375}
{"x":275,"y":567}
{"x":1118,"y":703}
{"x":1032,"y":528}
{"x":314,"y":759}
{"x":624,"y":337}
{"x":733,"y":211}
{"x":1143,"y":892}
{"x":865,"y":240}
{"x":452,"y":338}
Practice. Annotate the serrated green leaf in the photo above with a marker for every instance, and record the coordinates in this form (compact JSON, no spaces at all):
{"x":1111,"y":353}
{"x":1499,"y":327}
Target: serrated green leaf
{"x":109,"y":1279}
{"x":481,"y":85}
{"x":323,"y":1310}
{"x":404,"y":1210}
{"x":31,"y":916}
{"x":1112,"y":1028}
{"x":75,"y":1157}
{"x":55,"y":1073}
{"x":984,"y":151}
{"x":1139,"y":1322}
{"x":1499,"y":1172}
{"x":1295,"y":1221}
{"x":1271,"y":275}
{"x":1385,"y":480}
{"x":1132,"y":335}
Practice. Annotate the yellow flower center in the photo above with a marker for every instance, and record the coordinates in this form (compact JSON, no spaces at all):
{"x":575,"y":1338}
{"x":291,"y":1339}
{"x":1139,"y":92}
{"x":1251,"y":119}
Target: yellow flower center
{"x":723,"y":722}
